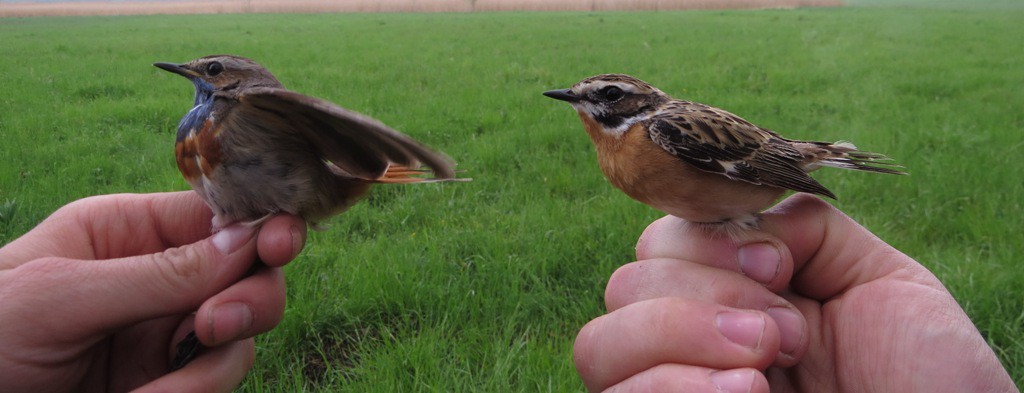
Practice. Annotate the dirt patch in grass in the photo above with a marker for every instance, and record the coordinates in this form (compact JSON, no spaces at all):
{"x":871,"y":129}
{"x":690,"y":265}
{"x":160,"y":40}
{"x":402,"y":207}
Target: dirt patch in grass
{"x":318,"y":6}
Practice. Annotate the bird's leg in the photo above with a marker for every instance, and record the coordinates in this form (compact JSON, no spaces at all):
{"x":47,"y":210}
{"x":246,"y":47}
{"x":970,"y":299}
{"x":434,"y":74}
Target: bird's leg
{"x":186,"y":350}
{"x":259,"y":221}
{"x":734,"y":227}
{"x":190,"y":347}
{"x":748,"y":223}
{"x":219,"y":222}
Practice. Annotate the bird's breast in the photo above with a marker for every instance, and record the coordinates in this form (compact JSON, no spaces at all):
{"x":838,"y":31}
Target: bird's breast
{"x":632,"y":162}
{"x":616,"y":154}
{"x":195,"y":118}
{"x":198,"y":152}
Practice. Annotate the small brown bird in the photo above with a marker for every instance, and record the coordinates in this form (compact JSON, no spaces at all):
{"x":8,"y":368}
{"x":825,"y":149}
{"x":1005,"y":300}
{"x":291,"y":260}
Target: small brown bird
{"x":697,"y":162}
{"x":252,"y":148}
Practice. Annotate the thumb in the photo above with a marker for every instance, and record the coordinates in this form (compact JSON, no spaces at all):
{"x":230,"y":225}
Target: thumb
{"x":831,"y":252}
{"x":100,"y":295}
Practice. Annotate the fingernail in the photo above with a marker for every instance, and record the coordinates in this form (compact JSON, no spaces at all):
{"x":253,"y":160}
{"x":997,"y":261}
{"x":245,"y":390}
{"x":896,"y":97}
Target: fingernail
{"x":229,"y":321}
{"x":733,"y":381}
{"x":744,"y":328}
{"x":791,"y":327}
{"x":230,"y":239}
{"x":297,"y":242}
{"x":760,"y":261}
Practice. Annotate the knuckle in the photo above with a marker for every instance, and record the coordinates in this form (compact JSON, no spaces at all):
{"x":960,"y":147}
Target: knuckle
{"x":179,"y":267}
{"x":732,"y":291}
{"x":660,"y":378}
{"x":30,"y":287}
{"x":43,"y":271}
{"x":667,"y":315}
{"x":98,"y":203}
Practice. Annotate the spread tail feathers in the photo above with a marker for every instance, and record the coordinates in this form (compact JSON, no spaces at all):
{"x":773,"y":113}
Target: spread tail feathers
{"x":845,"y":155}
{"x":401,"y":174}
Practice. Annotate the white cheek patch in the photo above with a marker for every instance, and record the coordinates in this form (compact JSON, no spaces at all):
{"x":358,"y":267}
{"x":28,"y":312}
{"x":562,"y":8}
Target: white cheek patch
{"x":590,"y":108}
{"x":596,"y":110}
{"x":626,"y":123}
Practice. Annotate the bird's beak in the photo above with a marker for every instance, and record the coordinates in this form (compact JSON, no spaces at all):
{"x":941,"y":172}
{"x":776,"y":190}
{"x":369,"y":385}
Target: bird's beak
{"x":563,"y":94}
{"x":177,"y":69}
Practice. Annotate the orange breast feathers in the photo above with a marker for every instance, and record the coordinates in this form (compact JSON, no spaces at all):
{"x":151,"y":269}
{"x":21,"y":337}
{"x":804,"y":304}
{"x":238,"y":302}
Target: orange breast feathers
{"x":628,"y":159}
{"x":199,"y":153}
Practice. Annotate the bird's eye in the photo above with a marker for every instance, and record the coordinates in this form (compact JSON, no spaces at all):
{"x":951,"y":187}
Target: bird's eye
{"x":611,"y":93}
{"x":214,"y":68}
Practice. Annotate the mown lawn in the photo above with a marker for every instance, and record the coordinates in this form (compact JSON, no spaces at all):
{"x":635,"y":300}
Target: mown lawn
{"x":482,"y":286}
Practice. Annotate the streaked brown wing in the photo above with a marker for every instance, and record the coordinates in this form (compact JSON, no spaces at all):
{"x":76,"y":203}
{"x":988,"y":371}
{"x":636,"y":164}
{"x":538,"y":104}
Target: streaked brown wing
{"x":720,"y":142}
{"x":357,"y":144}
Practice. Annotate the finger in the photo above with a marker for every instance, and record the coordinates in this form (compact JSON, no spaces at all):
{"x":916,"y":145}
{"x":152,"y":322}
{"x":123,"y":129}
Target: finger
{"x":831,"y":252}
{"x":245,"y":309}
{"x":220,"y":369}
{"x":113,"y":226}
{"x":100,"y":295}
{"x":281,"y":239}
{"x":134,"y":224}
{"x":658,"y":278}
{"x":671,"y":330}
{"x":758,"y":255}
{"x":683,"y":378}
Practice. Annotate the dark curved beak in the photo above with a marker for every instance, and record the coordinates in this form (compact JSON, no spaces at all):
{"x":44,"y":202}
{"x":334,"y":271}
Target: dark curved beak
{"x":177,"y":69}
{"x":563,"y":94}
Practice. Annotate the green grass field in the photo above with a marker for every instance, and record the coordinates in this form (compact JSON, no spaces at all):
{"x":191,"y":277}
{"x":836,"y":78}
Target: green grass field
{"x":482,"y":286}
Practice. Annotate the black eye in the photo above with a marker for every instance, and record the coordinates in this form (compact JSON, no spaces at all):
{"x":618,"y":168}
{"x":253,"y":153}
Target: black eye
{"x":214,"y":68}
{"x":611,"y":93}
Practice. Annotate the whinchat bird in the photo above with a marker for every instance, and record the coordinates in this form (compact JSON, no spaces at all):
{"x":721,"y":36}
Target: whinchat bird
{"x":697,"y":162}
{"x":252,"y":148}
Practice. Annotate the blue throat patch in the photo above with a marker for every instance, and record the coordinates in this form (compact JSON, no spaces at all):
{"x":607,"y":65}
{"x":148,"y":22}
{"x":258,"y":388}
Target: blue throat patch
{"x":193,"y":120}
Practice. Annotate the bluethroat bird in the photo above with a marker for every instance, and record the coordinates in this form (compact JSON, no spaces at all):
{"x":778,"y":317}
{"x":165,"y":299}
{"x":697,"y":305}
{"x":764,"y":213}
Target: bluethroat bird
{"x":252,"y":148}
{"x":697,"y":162}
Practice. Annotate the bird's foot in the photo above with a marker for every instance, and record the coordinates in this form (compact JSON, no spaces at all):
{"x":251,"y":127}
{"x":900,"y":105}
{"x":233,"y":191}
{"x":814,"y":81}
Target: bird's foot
{"x":186,"y":350}
{"x":733,"y":227}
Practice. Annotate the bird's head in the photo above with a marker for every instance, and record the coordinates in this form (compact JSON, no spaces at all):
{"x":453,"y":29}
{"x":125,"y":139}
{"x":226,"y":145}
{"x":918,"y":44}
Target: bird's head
{"x":222,"y":73}
{"x":614,"y":101}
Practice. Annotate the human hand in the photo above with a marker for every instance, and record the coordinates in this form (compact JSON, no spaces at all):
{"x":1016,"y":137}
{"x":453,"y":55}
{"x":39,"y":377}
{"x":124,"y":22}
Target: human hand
{"x":96,"y":297}
{"x":815,"y":300}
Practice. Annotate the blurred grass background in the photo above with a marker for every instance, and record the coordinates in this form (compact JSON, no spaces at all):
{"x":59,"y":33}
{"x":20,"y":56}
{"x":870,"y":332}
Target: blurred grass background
{"x":482,"y":286}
